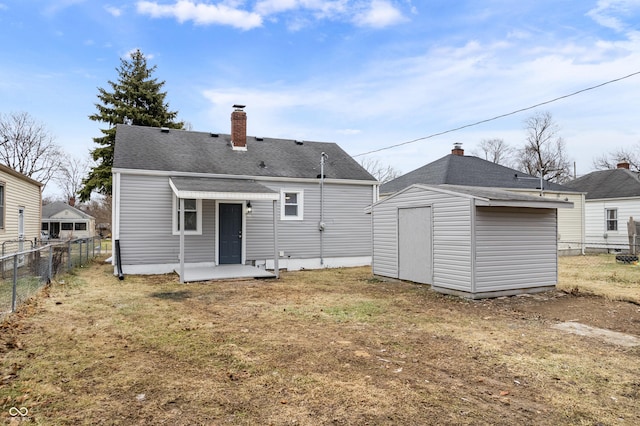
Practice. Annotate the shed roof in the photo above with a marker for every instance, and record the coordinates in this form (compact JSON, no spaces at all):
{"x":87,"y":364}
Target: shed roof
{"x":468,"y":170}
{"x":615,"y":183}
{"x":490,"y":197}
{"x":152,"y":148}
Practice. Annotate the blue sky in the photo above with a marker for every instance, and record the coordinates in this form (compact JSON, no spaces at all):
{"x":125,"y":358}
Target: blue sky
{"x":363,"y":73}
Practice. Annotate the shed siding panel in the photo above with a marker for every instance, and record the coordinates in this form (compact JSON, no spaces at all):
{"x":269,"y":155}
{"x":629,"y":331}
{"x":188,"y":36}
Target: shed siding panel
{"x":571,"y":222}
{"x":515,"y":248}
{"x":451,"y":224}
{"x":146,"y":235}
{"x":347,"y":232}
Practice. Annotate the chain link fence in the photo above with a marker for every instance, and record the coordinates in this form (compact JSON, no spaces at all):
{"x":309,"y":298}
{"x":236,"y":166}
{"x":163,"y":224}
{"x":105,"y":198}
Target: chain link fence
{"x":589,"y":253}
{"x":25,"y":272}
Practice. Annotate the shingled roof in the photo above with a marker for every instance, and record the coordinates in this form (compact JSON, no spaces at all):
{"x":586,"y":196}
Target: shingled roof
{"x":616,"y":183}
{"x":152,"y":148}
{"x":52,"y":209}
{"x":467,"y":170}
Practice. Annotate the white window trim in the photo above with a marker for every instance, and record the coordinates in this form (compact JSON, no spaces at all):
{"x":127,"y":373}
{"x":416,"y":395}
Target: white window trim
{"x":606,"y":219}
{"x":176,"y":218}
{"x":300,"y":215}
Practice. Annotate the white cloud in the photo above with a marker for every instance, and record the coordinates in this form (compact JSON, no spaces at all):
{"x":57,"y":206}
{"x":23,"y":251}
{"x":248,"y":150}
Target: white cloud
{"x":202,"y":13}
{"x":610,"y":13}
{"x":379,"y":14}
{"x":114,"y":11}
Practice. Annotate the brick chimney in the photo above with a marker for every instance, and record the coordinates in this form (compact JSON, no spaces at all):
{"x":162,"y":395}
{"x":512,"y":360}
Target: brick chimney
{"x":239,"y":128}
{"x":457,"y":149}
{"x":623,"y":165}
{"x":72,"y":201}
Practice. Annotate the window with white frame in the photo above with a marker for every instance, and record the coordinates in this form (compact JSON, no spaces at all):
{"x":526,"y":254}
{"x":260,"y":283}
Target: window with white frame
{"x":192,"y":216}
{"x":291,"y":206}
{"x":612,"y":219}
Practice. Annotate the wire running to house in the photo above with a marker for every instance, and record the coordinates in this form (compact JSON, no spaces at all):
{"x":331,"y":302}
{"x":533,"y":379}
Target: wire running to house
{"x":497,"y":117}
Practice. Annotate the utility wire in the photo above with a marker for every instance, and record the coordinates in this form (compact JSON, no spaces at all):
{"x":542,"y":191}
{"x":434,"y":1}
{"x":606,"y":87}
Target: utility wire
{"x":498,"y":116}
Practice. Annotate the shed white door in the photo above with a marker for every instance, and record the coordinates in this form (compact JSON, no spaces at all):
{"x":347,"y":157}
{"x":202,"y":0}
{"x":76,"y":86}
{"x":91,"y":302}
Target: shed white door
{"x":414,"y":244}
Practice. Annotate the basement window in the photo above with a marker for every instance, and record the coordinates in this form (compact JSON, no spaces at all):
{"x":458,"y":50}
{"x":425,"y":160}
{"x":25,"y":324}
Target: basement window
{"x":612,"y":219}
{"x":291,"y":206}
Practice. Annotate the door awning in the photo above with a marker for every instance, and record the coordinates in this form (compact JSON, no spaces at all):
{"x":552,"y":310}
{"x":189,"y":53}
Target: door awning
{"x":221,"y":189}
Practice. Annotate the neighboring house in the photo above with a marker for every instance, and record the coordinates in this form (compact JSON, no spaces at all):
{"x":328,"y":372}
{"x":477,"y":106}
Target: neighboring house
{"x":20,"y":204}
{"x":64,"y":221}
{"x":469,"y":241}
{"x":247,"y":201}
{"x":465,"y":170}
{"x":613,"y":196}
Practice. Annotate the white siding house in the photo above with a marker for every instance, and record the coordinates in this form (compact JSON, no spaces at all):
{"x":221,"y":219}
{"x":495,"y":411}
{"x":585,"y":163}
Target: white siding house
{"x":66,"y":222}
{"x":471,"y":241}
{"x":613,"y":197}
{"x":20,"y":204}
{"x":248,"y":201}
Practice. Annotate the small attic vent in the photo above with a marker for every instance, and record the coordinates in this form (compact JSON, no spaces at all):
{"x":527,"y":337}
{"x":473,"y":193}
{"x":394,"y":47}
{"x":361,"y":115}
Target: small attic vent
{"x":259,"y":138}
{"x":214,"y":135}
{"x":164,"y":129}
{"x":262,"y":165}
{"x":299,"y":143}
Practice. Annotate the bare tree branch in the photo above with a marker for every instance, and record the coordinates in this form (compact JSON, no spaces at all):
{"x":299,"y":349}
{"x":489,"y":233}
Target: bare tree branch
{"x":495,"y":150}
{"x":70,"y":176}
{"x":611,"y":160}
{"x":27,"y":147}
{"x":544,"y":151}
{"x":378,"y":170}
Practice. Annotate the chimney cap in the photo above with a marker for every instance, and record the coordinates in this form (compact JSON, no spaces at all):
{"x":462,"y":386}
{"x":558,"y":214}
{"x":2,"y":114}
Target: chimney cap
{"x":238,"y":106}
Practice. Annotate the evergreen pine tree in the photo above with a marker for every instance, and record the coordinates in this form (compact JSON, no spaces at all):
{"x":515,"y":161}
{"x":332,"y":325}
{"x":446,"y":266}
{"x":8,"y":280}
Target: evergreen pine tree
{"x":135,"y":99}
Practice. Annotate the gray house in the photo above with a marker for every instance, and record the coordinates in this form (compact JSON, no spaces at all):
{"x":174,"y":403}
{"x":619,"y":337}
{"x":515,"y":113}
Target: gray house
{"x":467,"y":170}
{"x":469,"y":241}
{"x":195,"y":201}
{"x":613,"y":196}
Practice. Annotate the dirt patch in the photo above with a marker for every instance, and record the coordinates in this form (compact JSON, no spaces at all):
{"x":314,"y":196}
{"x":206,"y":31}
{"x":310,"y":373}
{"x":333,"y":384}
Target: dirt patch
{"x":332,"y":347}
{"x":558,"y":306}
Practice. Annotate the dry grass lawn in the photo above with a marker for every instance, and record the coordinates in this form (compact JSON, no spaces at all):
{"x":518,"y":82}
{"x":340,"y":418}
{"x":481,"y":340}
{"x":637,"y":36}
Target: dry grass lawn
{"x":332,"y":347}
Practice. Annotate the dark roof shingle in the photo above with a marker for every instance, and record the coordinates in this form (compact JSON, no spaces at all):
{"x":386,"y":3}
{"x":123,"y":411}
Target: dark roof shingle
{"x":151,"y":148}
{"x":466,"y":170}
{"x":615,"y":183}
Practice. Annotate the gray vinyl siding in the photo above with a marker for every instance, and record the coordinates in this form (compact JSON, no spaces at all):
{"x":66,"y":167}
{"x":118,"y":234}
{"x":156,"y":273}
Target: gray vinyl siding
{"x":347,"y":232}
{"x":146,"y":237}
{"x":571,"y":222}
{"x":515,"y":248}
{"x":146,"y":215}
{"x":451,"y":225}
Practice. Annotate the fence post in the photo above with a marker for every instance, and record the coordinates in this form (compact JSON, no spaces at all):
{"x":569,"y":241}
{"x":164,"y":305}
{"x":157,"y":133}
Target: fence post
{"x":70,"y":259}
{"x":50,"y":277}
{"x":14,"y":296}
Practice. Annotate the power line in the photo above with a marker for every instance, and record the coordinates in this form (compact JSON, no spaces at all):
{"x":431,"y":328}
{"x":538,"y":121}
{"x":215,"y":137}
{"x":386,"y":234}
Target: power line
{"x":498,"y":116}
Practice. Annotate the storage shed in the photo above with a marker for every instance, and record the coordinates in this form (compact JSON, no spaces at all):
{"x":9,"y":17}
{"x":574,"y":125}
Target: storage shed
{"x":470,"y":241}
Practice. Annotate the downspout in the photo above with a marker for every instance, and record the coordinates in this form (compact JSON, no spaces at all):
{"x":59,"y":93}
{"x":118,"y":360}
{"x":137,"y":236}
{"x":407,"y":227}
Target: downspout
{"x":321,"y":225}
{"x":181,"y":220}
{"x":276,"y":255}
